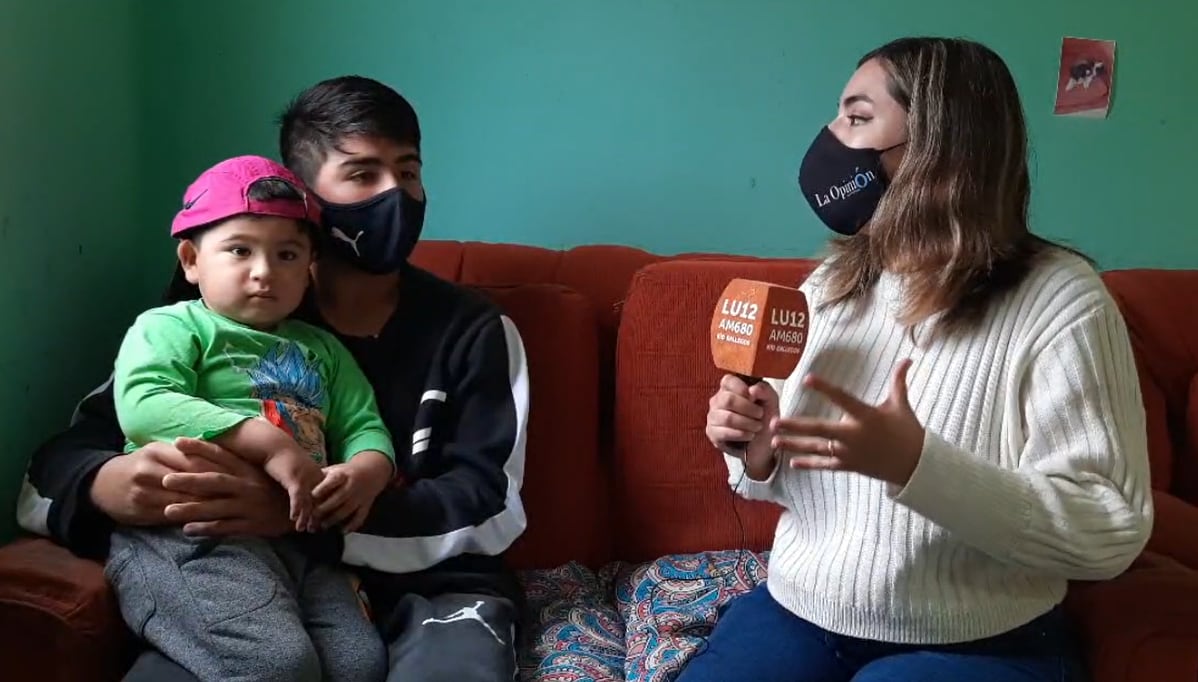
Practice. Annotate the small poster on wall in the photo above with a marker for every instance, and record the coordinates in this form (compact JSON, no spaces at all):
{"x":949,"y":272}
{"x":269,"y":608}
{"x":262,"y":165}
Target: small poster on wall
{"x":1086,"y":77}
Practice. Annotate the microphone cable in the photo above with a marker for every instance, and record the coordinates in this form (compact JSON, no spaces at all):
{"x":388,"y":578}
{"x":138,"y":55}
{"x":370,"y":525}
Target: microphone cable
{"x":742,"y":548}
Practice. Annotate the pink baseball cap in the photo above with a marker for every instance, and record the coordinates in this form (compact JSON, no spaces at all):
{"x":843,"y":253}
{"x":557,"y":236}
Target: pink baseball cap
{"x":222,"y":192}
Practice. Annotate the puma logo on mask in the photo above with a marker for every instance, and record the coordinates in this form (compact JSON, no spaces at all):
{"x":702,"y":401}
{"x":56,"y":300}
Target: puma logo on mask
{"x":338,"y":234}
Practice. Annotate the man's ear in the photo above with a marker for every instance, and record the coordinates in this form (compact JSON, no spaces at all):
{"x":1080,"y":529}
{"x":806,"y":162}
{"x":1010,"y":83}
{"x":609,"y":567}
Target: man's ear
{"x":188,"y":252}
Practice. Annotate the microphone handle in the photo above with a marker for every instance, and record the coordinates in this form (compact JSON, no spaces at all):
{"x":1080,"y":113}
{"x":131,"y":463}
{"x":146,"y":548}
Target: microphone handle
{"x":739,"y":447}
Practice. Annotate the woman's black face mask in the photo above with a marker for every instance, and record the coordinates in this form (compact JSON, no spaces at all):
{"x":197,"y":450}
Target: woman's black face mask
{"x":842,"y":185}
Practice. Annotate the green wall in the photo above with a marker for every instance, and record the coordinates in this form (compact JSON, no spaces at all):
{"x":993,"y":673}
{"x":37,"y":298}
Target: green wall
{"x":674,"y":125}
{"x":70,"y":245}
{"x":670,"y":125}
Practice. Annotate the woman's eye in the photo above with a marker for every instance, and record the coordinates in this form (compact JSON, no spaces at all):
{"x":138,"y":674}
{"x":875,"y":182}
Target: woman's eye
{"x":855,"y":120}
{"x":240,"y":251}
{"x":288,"y":255}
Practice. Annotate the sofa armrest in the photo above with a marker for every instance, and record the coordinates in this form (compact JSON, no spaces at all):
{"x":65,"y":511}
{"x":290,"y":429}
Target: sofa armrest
{"x":1141,"y":626}
{"x":1173,"y":529}
{"x":60,"y":618}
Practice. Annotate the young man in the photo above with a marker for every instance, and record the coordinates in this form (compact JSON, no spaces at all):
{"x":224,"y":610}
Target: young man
{"x":449,"y":374}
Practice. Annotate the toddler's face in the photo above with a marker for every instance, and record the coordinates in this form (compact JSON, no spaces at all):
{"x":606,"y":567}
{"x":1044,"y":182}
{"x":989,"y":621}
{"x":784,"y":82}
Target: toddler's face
{"x":252,"y":269}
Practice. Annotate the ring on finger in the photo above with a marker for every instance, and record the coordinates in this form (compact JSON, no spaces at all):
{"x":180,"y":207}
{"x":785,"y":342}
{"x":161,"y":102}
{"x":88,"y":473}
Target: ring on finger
{"x":831,"y":448}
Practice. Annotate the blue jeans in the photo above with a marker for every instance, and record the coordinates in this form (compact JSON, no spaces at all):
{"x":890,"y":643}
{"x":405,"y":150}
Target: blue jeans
{"x":756,"y":639}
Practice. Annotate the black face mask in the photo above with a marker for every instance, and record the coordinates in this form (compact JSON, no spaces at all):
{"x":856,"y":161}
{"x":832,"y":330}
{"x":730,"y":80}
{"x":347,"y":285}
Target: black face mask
{"x":843,"y":185}
{"x":376,"y":235}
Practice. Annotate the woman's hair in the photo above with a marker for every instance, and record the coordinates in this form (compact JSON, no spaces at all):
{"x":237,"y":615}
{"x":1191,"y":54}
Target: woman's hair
{"x":954,"y":220}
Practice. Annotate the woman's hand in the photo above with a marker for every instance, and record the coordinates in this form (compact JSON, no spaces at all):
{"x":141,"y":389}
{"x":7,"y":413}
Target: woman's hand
{"x":232,"y":497}
{"x":739,"y":414}
{"x":882,"y":442}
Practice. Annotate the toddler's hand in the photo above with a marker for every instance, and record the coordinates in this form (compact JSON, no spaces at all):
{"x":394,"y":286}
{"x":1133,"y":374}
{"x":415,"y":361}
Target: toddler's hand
{"x":348,"y":490}
{"x":300,"y":476}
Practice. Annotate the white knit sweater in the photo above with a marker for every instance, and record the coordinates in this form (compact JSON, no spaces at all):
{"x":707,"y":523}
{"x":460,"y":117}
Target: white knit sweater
{"x":1034,"y":470}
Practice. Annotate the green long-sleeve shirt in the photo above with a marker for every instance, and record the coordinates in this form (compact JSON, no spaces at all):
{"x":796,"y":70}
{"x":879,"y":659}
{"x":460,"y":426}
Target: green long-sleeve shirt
{"x":186,"y":371}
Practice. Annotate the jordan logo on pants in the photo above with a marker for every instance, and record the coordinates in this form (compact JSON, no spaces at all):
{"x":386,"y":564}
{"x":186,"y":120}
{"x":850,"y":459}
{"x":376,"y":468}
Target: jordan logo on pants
{"x":465,"y":613}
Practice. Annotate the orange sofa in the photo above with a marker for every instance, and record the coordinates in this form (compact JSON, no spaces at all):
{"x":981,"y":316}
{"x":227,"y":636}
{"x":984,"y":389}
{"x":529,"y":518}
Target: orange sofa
{"x":632,"y":541}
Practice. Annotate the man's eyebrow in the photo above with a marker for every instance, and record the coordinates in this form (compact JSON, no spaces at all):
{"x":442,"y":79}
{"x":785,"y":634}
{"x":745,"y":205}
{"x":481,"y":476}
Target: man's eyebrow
{"x":375,"y":161}
{"x":362,"y":161}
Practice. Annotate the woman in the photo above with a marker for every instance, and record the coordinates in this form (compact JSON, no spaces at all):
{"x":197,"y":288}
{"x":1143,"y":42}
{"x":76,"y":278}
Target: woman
{"x":964,"y":433}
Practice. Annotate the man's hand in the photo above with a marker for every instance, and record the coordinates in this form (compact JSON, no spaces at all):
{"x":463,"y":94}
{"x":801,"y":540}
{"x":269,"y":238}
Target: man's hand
{"x":128,"y":488}
{"x":231,"y":497}
{"x":348,"y":490}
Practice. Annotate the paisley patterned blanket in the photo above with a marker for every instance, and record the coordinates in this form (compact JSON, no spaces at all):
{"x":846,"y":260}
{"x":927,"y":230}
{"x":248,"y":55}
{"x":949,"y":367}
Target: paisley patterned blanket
{"x":636,"y":622}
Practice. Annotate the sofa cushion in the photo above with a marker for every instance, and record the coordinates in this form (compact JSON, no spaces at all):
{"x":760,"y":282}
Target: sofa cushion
{"x":1187,"y":467}
{"x":484,"y":263}
{"x":442,"y":258}
{"x":601,"y":273}
{"x":572,"y":631}
{"x":1160,"y":307}
{"x":59,"y":607}
{"x":670,"y":484}
{"x":670,"y":606}
{"x":565,"y":490}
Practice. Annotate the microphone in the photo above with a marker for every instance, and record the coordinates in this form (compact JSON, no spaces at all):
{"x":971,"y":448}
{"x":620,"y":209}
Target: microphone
{"x":758,"y":331}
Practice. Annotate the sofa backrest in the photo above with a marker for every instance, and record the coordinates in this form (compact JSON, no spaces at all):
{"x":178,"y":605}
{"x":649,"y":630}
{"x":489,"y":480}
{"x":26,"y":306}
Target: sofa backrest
{"x":600,"y":273}
{"x":569,"y":497}
{"x":563,"y":471}
{"x":1161,"y":309}
{"x":671,"y":486}
{"x":634,"y":326}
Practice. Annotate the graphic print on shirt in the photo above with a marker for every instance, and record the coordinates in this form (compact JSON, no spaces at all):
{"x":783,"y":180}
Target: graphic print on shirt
{"x":292,"y":393}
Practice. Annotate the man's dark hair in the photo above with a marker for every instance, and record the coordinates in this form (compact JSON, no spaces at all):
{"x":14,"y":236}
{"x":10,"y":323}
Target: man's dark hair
{"x":320,"y":117}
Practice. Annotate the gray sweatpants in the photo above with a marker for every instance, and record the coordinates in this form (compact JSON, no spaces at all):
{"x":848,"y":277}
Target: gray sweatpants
{"x":436,"y":639}
{"x":242,"y":609}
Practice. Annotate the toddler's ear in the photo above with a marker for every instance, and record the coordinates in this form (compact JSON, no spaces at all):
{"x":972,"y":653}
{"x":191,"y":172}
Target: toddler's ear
{"x":188,"y":253}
